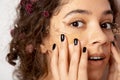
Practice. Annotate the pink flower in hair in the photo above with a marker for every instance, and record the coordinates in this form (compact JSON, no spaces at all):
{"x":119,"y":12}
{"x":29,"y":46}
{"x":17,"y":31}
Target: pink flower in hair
{"x":28,"y":8}
{"x":46,"y":13}
{"x":29,"y":48}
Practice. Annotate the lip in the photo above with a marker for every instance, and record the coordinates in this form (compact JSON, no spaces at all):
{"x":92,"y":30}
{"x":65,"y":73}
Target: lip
{"x":97,"y":63}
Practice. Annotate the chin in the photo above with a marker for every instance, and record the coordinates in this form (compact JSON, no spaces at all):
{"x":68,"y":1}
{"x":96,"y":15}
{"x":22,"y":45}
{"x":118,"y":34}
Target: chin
{"x":96,"y":73}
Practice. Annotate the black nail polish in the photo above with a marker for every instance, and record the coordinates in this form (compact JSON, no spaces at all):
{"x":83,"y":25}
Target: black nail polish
{"x":75,"y":41}
{"x":113,"y":43}
{"x":62,"y":37}
{"x":115,"y":36}
{"x":53,"y":47}
{"x":84,"y":49}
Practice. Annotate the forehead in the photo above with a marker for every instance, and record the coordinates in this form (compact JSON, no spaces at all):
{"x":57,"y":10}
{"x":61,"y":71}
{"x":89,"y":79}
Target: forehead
{"x":85,"y":2}
{"x":91,"y":5}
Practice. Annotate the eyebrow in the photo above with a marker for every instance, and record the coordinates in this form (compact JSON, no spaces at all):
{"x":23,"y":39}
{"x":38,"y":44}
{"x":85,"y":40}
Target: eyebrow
{"x":80,"y":11}
{"x":107,"y":12}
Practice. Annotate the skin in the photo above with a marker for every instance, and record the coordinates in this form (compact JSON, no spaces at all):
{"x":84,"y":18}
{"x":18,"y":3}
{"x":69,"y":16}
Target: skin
{"x":67,"y":61}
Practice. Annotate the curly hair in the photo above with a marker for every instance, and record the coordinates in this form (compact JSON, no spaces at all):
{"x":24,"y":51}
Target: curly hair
{"x":30,"y":32}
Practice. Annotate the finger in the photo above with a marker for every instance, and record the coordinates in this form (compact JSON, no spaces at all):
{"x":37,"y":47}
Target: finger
{"x":71,"y":50}
{"x":115,"y":53}
{"x":117,"y":39}
{"x":73,"y":69}
{"x":83,"y":65}
{"x":63,"y":57}
{"x":114,"y":69}
{"x":54,"y":62}
{"x":116,"y":57}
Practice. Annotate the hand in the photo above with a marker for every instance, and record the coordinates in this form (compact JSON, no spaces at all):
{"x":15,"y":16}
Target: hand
{"x":69,"y":62}
{"x":114,"y":71}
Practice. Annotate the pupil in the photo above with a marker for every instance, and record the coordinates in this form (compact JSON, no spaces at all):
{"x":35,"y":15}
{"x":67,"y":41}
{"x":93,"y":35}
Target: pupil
{"x":104,"y":26}
{"x":75,"y":24}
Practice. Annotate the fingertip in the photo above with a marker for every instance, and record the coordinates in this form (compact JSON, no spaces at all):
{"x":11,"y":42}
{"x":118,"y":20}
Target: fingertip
{"x":54,"y":50}
{"x":76,"y":41}
{"x":113,"y":43}
{"x":84,"y":55}
{"x":84,"y":49}
{"x":115,"y":52}
{"x":54,"y":46}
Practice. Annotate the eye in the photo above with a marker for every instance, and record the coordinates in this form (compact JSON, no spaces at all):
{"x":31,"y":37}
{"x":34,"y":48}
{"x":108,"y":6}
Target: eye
{"x":77,"y":24}
{"x":107,"y":25}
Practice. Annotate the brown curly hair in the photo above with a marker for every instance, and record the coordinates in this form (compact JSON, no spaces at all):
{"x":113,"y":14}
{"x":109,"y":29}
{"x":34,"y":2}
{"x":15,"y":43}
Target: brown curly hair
{"x":31,"y":30}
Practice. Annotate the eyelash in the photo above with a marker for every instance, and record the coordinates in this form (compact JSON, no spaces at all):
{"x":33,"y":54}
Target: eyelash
{"x":76,"y":24}
{"x":108,"y":25}
{"x":105,"y":25}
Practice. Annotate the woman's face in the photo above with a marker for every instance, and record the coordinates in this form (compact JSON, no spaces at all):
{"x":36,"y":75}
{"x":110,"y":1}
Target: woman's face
{"x":90,"y":22}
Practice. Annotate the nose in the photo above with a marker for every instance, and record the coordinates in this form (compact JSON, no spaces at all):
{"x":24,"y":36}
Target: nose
{"x":97,"y":35}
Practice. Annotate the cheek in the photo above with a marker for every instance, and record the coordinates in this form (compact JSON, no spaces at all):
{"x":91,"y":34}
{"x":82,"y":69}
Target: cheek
{"x":73,"y":36}
{"x":107,"y":49}
{"x":107,"y":52}
{"x":110,"y":35}
{"x":58,"y":28}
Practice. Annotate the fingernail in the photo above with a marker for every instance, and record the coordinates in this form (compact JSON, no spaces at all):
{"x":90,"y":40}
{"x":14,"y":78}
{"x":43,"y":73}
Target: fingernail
{"x":53,"y":47}
{"x":84,"y":49}
{"x":115,"y":36}
{"x":75,"y":41}
{"x":113,"y":43}
{"x":62,"y":37}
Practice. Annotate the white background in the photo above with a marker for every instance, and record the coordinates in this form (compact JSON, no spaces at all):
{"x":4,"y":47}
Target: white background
{"x":7,"y":16}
